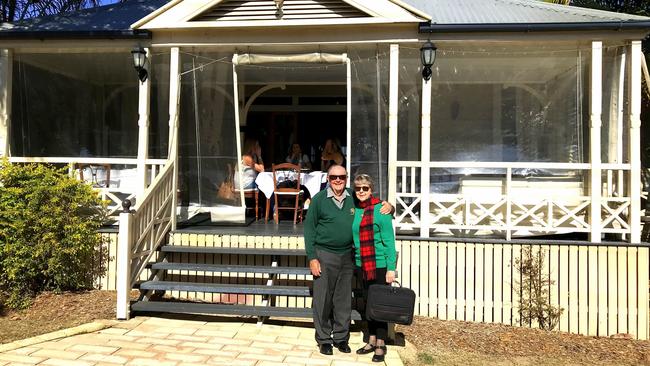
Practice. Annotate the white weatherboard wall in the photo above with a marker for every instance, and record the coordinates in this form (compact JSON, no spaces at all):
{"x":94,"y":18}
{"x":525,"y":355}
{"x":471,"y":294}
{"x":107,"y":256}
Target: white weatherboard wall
{"x":602,"y":287}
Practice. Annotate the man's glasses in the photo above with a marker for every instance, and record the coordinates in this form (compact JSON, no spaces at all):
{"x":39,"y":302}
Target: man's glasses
{"x":339,"y":177}
{"x":362,"y":188}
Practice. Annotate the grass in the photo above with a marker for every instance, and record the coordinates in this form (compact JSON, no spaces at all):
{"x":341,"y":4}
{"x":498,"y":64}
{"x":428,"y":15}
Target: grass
{"x":426,"y":359}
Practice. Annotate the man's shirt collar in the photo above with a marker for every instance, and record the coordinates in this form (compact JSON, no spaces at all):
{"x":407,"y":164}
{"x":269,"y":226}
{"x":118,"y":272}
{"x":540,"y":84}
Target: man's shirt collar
{"x":330,"y":192}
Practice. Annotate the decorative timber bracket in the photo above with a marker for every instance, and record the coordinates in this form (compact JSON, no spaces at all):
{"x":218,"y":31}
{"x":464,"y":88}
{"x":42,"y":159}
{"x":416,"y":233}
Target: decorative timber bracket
{"x":278,"y":5}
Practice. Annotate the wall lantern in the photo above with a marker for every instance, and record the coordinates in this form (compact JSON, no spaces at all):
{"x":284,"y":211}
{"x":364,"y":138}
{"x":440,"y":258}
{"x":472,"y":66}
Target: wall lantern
{"x":139,"y":60}
{"x":428,"y":54}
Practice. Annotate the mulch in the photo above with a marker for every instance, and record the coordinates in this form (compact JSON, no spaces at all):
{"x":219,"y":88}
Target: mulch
{"x":51,"y":312}
{"x":502,"y":341}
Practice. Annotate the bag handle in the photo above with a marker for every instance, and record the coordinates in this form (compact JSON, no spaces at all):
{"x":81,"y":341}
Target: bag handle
{"x":397,"y":282}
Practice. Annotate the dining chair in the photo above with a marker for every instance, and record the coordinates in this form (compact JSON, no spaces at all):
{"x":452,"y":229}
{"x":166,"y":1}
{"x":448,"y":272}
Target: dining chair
{"x":286,"y":183}
{"x":248,"y":192}
{"x":91,"y":172}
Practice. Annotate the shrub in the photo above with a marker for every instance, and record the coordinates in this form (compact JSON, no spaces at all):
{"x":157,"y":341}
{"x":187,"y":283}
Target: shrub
{"x":48,"y":232}
{"x":534,"y":302}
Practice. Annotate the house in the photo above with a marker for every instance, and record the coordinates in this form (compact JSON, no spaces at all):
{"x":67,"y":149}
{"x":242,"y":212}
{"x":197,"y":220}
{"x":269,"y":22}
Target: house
{"x":526,"y":124}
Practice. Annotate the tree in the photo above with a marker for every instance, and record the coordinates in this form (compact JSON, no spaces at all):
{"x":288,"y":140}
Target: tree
{"x":638,"y":7}
{"x":17,"y":10}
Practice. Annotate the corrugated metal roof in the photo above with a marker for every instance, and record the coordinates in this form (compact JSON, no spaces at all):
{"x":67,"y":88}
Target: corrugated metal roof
{"x":110,"y":21}
{"x":513,"y":11}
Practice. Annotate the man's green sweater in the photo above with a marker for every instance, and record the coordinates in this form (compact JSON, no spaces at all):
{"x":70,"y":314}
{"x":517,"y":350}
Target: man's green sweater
{"x":328,"y":227}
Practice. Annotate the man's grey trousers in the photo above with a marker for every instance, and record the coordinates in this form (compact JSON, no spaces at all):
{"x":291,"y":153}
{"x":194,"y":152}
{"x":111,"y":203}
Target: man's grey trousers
{"x":332,"y":298}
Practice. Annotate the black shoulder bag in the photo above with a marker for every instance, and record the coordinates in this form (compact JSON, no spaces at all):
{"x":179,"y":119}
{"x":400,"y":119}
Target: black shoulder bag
{"x":390,"y":304}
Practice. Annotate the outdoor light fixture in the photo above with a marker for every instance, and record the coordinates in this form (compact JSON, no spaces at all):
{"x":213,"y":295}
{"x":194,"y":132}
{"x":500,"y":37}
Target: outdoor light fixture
{"x":139,"y":60}
{"x":428,"y":54}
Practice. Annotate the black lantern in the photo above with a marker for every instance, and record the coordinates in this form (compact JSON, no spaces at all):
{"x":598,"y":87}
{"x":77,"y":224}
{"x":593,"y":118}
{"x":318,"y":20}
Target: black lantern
{"x":428,"y":55}
{"x":139,"y":60}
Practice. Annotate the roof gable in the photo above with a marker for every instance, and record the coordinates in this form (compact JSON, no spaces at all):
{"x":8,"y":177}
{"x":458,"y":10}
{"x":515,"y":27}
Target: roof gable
{"x":242,"y":13}
{"x":240,"y":10}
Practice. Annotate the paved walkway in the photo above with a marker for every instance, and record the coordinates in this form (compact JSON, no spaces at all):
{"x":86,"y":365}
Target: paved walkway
{"x":162,"y":342}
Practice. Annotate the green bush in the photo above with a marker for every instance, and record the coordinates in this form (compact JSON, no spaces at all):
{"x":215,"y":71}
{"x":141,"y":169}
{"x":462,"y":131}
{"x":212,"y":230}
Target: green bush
{"x":48,"y":232}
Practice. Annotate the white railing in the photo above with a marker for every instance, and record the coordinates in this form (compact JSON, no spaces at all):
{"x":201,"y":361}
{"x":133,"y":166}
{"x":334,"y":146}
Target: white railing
{"x":509,"y":201}
{"x":142,"y":231}
{"x":115,"y":188}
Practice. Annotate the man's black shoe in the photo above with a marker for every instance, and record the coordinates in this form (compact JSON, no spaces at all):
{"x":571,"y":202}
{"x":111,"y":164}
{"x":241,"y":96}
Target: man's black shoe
{"x":326,"y":349}
{"x":343,"y":347}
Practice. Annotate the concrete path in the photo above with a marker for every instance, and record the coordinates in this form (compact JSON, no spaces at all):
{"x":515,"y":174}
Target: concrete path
{"x":162,"y":342}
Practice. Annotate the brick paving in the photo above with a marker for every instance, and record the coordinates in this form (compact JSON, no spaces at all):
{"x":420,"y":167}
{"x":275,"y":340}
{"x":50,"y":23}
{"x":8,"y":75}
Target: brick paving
{"x":144,"y":341}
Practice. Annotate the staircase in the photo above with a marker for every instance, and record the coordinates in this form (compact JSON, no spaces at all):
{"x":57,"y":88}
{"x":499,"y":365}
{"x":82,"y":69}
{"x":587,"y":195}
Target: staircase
{"x":211,"y":280}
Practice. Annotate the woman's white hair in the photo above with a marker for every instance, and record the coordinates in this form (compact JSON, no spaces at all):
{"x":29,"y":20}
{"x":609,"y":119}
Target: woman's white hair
{"x":364,"y":178}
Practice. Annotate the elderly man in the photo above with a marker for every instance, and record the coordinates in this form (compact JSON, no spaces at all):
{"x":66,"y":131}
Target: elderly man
{"x":329,"y":246}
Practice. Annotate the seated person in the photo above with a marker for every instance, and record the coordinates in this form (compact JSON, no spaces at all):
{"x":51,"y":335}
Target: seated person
{"x":332,"y":155}
{"x":297,"y":157}
{"x":251,"y":163}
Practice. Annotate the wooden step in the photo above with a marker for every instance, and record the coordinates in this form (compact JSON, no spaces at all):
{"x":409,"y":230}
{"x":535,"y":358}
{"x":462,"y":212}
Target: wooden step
{"x":226,"y":288}
{"x":235,"y":251}
{"x":230,"y":268}
{"x":221,"y":309}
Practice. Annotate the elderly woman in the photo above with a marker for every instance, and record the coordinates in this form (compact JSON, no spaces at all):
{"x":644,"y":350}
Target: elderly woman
{"x":374,"y":243}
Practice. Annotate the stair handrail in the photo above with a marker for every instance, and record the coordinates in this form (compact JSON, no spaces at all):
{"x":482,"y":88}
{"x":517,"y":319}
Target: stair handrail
{"x":141,"y":231}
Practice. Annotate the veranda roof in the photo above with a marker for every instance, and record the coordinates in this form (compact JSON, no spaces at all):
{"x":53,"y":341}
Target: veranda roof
{"x":104,"y":22}
{"x":519,"y":15}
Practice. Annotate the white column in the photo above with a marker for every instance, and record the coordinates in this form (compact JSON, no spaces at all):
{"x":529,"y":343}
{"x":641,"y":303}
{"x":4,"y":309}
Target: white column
{"x":634,"y":115}
{"x":174,"y":100}
{"x":123,"y":264}
{"x":6,"y":60}
{"x":236,"y":105}
{"x":392,"y":122}
{"x":594,"y":139}
{"x":143,"y":130}
{"x":348,"y":113}
{"x":425,"y":216}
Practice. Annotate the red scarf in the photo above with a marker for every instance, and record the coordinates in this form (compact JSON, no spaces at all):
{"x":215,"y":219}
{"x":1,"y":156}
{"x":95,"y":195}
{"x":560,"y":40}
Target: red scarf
{"x":367,"y":239}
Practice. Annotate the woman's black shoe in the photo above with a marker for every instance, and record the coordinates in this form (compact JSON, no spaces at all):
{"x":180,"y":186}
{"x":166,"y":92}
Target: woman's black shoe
{"x":364,"y":351}
{"x":379,"y":358}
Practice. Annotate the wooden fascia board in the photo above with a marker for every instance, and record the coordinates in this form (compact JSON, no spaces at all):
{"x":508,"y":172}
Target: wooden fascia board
{"x":411,"y":9}
{"x":276,"y":23}
{"x":78,"y":46}
{"x":260,"y":36}
{"x":536,"y":36}
{"x":154,"y":14}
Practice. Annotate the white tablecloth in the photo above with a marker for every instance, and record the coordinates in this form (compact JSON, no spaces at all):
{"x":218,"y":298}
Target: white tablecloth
{"x":311,"y":180}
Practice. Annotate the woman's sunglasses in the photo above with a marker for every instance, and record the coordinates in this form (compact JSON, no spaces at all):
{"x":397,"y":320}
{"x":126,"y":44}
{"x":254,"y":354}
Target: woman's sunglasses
{"x":339,"y":177}
{"x":362,"y":188}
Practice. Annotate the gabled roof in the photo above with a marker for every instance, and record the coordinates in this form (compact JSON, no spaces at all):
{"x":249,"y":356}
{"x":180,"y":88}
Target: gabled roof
{"x":104,"y":22}
{"x":519,"y":15}
{"x":133,"y":18}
